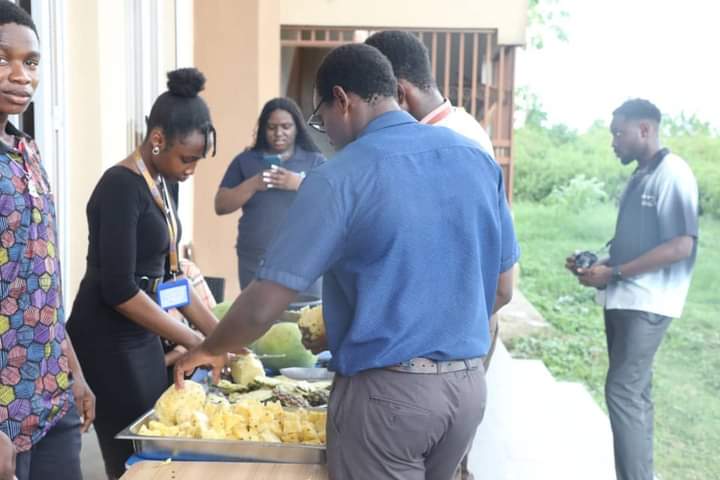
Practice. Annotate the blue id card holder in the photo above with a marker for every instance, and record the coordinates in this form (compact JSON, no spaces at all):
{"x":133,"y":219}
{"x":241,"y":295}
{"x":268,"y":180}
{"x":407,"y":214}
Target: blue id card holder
{"x":173,"y":294}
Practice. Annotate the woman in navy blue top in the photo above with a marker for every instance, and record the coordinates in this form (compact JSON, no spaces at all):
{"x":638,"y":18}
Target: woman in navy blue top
{"x":262,"y":182}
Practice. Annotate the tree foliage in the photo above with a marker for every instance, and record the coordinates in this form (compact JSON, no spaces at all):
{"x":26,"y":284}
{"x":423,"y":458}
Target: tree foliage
{"x":546,"y":18}
{"x":554,"y":158}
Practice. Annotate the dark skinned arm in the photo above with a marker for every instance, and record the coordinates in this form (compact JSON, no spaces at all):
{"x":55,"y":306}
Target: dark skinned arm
{"x":250,"y":316}
{"x":199,"y":314}
{"x":84,"y":397}
{"x":228,"y":200}
{"x":504,"y":292}
{"x":142,"y":310}
{"x":674,"y":250}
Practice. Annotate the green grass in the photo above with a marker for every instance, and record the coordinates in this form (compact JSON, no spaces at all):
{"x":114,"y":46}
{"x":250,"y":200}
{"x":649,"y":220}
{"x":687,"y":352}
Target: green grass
{"x":686,"y":386}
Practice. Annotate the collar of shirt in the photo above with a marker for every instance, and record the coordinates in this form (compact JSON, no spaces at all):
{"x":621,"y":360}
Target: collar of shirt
{"x":654,"y":162}
{"x":438,"y":114}
{"x":387,"y":119}
{"x":12,"y":130}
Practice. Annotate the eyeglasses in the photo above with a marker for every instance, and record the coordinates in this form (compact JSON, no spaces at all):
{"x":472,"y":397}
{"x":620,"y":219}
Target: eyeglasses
{"x":315,"y":121}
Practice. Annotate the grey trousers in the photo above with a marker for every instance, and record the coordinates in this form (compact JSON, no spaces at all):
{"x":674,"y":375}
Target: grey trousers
{"x":389,"y":425}
{"x":633,"y":337}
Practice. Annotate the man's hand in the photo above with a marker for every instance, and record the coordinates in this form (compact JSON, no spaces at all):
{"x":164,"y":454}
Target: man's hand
{"x":7,"y":458}
{"x":282,"y":179}
{"x":84,"y":402}
{"x":198,"y":357}
{"x":596,"y":276}
{"x":315,"y":345}
{"x":570,"y":264}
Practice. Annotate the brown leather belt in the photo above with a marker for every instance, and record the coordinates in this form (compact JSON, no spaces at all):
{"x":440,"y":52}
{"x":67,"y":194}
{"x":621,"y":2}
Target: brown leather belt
{"x":427,"y":366}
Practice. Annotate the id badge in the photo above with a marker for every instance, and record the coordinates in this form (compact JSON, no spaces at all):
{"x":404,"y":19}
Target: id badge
{"x":174,"y":294}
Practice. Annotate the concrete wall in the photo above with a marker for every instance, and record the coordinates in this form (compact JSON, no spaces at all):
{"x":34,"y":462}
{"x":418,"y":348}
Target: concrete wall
{"x":99,"y":103}
{"x":509,"y":17}
{"x":96,"y":112}
{"x":237,"y":46}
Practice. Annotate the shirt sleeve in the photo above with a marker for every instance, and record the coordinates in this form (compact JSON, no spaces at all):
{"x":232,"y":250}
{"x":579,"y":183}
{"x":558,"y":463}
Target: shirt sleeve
{"x":510,"y":248}
{"x":677,"y":203}
{"x":119,"y":211}
{"x":310,"y":240}
{"x":234,"y":175}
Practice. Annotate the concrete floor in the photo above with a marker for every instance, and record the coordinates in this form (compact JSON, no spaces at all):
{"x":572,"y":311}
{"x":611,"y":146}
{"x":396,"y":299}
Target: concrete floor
{"x":91,"y":459}
{"x":536,"y":428}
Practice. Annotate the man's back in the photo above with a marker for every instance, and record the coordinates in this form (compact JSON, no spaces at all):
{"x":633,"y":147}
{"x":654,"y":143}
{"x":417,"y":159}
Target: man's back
{"x":413,"y":271}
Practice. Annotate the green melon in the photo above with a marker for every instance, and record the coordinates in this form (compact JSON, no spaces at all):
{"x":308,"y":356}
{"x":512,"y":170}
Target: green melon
{"x":283,"y":338}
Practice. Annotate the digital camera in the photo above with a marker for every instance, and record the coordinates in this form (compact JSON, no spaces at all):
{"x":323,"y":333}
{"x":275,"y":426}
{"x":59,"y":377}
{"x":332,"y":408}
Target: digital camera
{"x":585,"y":260}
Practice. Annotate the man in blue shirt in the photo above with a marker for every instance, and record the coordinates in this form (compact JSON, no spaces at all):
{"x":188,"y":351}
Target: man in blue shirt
{"x":413,"y":235}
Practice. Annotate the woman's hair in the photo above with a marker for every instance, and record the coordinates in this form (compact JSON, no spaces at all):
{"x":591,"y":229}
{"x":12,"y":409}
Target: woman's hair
{"x":180,"y":111}
{"x":302,"y":137}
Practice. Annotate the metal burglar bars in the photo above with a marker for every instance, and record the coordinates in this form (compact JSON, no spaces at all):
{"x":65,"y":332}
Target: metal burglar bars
{"x":470,"y":68}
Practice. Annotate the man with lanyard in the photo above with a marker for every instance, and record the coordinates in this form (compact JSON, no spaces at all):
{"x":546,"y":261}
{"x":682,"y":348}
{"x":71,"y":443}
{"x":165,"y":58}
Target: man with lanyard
{"x":43,"y":393}
{"x":646,"y":278}
{"x":407,"y":288}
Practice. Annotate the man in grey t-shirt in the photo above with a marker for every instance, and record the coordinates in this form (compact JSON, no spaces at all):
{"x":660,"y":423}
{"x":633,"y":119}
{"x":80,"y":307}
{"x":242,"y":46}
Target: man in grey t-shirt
{"x":645,"y":279}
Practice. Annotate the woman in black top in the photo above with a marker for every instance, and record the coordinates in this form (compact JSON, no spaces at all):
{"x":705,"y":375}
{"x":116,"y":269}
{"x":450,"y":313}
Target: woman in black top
{"x":262,"y":182}
{"x":115,"y":323}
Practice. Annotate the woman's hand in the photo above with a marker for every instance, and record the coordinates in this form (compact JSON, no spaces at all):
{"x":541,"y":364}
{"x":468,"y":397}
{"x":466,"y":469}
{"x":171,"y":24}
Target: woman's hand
{"x":282,"y":178}
{"x":258,"y":182}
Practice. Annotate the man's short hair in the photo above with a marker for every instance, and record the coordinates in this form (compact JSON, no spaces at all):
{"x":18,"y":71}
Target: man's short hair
{"x":11,"y":13}
{"x":639,"y":109}
{"x":407,"y":54}
{"x":357,"y":68}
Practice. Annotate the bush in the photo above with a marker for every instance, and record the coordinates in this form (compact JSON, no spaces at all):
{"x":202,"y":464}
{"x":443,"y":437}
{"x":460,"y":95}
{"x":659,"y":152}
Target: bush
{"x":547,"y":159}
{"x":702,"y":152}
{"x":580,"y":192}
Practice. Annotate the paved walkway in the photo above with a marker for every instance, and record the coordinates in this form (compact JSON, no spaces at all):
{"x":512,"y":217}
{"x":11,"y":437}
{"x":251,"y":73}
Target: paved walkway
{"x":537,"y":428}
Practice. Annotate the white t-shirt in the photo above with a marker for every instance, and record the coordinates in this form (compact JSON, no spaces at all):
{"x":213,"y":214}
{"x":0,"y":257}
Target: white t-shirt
{"x":458,"y":120}
{"x":658,"y":205}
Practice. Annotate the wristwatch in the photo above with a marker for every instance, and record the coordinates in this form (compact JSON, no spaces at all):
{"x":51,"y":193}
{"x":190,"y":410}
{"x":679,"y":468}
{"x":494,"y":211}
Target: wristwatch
{"x":616,"y":274}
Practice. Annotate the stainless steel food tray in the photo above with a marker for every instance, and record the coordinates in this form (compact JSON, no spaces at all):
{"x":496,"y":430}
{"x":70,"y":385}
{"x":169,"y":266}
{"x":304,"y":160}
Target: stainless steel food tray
{"x":229,"y":450}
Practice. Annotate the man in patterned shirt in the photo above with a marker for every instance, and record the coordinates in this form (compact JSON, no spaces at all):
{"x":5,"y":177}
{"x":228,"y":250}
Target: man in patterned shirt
{"x":42,"y":390}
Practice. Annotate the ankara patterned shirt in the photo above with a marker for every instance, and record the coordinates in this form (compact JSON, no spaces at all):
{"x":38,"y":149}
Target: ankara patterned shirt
{"x":34,"y":372}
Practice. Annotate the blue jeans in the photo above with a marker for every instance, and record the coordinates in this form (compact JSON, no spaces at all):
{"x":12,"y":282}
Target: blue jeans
{"x":56,"y":456}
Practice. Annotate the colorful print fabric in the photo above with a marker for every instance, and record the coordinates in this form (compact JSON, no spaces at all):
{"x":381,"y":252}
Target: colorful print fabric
{"x":34,"y":372}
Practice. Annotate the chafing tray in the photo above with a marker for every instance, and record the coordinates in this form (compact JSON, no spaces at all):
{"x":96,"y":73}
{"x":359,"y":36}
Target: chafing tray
{"x":228,"y":450}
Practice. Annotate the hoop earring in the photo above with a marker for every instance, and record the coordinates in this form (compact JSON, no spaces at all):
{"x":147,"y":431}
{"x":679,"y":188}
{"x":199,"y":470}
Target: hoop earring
{"x":156,"y":150}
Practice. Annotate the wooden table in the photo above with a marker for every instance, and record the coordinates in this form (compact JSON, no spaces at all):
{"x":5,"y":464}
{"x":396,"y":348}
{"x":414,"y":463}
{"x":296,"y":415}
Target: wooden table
{"x":150,"y":470}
